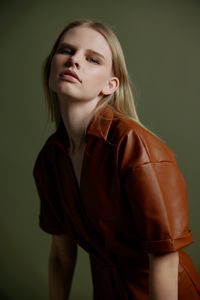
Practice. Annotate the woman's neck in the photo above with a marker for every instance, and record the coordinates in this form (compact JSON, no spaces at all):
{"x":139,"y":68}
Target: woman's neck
{"x":76,"y":117}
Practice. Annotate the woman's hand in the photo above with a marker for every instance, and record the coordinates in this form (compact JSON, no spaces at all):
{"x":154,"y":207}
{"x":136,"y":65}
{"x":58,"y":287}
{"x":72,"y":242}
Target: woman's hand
{"x":163,"y":281}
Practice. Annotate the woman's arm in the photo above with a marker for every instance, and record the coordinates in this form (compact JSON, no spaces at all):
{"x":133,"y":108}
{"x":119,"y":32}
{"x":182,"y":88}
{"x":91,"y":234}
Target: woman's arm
{"x":62,"y":260}
{"x":163,"y":281}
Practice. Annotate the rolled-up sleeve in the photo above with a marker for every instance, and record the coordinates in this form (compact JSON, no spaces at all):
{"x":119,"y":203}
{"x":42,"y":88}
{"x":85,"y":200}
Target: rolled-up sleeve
{"x":157,"y":195}
{"x":51,"y":216}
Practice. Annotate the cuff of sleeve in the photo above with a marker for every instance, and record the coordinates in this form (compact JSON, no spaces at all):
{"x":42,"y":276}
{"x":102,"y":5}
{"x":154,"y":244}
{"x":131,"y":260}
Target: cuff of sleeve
{"x":51,"y":229}
{"x":169,"y":245}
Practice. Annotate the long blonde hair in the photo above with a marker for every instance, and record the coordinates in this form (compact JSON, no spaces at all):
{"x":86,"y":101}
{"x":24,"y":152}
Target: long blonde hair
{"x":122,"y":100}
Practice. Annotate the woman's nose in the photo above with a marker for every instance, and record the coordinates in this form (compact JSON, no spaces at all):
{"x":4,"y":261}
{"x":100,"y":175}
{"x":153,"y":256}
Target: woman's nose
{"x":73,"y":60}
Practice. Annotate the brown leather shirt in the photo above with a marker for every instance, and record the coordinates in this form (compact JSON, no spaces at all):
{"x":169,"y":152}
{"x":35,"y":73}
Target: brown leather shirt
{"x":132,"y":201}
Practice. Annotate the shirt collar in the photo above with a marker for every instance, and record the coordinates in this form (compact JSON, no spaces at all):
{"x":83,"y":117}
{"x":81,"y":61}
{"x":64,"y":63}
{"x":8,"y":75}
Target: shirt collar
{"x":99,"y":125}
{"x":101,"y":122}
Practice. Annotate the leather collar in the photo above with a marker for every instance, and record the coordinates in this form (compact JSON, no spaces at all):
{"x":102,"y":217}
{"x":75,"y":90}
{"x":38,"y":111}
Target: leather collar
{"x":98,"y":127}
{"x":100,"y":124}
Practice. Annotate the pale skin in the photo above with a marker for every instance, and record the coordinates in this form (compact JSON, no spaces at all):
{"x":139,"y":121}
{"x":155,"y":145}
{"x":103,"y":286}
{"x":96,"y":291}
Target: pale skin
{"x":86,"y":52}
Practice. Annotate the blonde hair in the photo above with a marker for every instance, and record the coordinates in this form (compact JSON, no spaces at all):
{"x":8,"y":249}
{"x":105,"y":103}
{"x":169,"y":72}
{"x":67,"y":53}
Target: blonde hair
{"x":122,"y":100}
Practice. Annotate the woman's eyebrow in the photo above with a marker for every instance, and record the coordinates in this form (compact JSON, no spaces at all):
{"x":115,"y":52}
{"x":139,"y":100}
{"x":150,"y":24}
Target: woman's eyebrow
{"x":87,"y":50}
{"x":66,"y":45}
{"x":96,"y":53}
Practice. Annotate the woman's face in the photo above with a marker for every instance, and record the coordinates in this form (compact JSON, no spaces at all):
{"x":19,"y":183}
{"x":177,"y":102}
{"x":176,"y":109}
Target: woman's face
{"x":81,"y":68}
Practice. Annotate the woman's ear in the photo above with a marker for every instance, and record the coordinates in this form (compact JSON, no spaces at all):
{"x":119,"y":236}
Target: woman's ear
{"x":111,"y":86}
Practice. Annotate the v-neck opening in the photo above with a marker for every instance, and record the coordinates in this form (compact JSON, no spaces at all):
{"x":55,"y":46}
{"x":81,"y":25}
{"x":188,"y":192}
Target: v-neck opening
{"x":78,"y":181}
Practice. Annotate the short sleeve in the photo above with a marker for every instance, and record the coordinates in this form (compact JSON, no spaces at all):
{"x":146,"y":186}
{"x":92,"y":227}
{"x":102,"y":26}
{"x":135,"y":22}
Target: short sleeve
{"x":158,"y":199}
{"x":51,"y":218}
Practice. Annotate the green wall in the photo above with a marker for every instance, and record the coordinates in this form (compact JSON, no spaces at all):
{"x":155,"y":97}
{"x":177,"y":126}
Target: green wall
{"x":162,"y":46}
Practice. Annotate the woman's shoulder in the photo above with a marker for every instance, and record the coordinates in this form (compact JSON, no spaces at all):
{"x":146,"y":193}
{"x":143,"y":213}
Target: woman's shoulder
{"x":55,"y":142}
{"x":42,"y":155}
{"x":58,"y":138}
{"x":50,"y":140}
{"x":139,"y":142}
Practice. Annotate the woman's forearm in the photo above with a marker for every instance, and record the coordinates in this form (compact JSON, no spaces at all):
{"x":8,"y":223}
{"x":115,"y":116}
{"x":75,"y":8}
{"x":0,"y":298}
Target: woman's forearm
{"x":163,"y":280}
{"x":62,"y":260}
{"x":60,"y":279}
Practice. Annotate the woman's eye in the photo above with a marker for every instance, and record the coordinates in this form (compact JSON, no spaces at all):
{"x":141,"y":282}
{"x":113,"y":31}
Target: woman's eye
{"x":93,"y":60}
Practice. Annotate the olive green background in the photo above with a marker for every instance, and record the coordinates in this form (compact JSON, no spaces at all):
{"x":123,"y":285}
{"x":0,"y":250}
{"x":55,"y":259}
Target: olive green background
{"x":162,"y":48}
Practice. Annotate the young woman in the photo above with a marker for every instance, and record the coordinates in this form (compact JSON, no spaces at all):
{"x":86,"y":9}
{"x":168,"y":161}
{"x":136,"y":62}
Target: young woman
{"x":105,"y":182}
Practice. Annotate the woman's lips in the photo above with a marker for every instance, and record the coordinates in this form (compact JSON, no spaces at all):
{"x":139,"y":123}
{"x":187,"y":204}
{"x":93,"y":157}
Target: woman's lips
{"x":69,"y":75}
